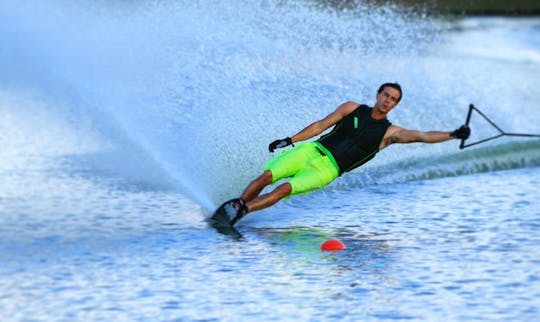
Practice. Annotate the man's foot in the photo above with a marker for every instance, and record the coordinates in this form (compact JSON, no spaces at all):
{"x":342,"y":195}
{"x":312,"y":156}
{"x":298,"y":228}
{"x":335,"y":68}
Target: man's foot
{"x":241,"y":210}
{"x":230,"y":212}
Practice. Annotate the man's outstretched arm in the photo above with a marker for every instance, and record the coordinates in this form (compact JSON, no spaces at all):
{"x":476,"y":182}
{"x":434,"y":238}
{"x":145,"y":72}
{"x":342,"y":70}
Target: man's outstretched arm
{"x":396,"y":134}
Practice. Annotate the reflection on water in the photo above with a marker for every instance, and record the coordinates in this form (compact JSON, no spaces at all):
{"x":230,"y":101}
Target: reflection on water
{"x":460,"y":247}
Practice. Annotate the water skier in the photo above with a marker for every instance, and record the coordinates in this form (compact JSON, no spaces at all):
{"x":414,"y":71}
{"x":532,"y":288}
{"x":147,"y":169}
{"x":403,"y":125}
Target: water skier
{"x":359,"y":133}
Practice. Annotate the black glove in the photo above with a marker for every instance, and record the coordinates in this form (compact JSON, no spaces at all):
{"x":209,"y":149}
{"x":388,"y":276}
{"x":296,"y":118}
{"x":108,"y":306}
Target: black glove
{"x":279,"y":144}
{"x":462,"y":133}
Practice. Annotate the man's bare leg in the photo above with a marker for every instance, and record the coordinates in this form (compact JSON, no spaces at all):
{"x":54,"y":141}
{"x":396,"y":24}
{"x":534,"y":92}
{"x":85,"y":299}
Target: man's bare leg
{"x":251,"y":193}
{"x":256,"y":186}
{"x":270,"y":198}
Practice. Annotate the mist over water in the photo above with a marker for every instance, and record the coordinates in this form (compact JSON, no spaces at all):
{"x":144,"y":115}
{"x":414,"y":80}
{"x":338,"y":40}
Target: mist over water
{"x":188,"y":95}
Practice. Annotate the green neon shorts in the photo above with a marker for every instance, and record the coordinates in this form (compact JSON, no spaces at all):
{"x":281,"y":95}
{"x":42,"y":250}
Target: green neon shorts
{"x":307,"y":166}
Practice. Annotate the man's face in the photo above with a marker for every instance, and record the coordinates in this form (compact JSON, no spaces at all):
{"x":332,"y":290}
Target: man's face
{"x":387,"y":99}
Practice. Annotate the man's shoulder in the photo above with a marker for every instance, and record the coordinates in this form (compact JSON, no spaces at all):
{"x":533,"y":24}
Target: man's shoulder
{"x":355,"y":105}
{"x":349,"y":107}
{"x":389,"y":136}
{"x":351,"y":104}
{"x":393,"y":129}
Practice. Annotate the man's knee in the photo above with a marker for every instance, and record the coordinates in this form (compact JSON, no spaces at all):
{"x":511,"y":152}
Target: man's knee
{"x":284,"y":189}
{"x":266,"y":177}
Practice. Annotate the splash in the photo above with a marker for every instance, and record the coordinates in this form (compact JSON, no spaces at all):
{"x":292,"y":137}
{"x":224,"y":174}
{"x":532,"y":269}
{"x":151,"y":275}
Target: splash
{"x":200,"y":89}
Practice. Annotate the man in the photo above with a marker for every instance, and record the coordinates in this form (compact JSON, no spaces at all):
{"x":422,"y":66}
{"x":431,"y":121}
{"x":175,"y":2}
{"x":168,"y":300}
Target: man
{"x":359,"y":133}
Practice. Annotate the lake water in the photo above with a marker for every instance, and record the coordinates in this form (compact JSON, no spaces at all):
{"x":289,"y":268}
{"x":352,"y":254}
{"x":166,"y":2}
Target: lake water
{"x":123,"y":125}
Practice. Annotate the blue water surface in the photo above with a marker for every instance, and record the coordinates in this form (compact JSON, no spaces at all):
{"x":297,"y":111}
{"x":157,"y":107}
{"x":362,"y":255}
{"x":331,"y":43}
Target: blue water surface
{"x":462,"y":248}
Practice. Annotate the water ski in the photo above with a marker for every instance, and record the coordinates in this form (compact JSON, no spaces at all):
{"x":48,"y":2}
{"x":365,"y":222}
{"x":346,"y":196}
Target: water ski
{"x":227,"y":214}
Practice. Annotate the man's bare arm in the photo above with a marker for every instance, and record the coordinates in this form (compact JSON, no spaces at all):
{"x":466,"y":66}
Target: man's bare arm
{"x":411,"y":136}
{"x":396,"y":134}
{"x":320,"y":126}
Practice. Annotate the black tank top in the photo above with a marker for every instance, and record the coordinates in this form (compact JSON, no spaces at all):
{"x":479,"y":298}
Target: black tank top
{"x":355,"y":139}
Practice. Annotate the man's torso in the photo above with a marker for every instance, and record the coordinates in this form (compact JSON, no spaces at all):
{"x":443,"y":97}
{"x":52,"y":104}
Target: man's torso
{"x":355,"y":139}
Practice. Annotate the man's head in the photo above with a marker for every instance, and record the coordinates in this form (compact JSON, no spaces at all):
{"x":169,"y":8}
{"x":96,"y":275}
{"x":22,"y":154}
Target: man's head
{"x":388,"y":96}
{"x":395,"y":86}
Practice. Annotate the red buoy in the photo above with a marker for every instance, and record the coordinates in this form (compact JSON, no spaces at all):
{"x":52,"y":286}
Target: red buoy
{"x":332,"y":245}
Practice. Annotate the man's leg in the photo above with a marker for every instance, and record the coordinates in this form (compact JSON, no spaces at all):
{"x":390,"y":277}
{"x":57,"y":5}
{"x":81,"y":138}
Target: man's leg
{"x":270,"y":198}
{"x":250,"y":199}
{"x":257,"y":185}
{"x":251,"y":193}
{"x":283,"y":165}
{"x":316,"y":174}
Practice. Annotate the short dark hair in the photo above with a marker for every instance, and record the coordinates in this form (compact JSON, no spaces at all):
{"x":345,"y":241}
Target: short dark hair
{"x":394,"y":86}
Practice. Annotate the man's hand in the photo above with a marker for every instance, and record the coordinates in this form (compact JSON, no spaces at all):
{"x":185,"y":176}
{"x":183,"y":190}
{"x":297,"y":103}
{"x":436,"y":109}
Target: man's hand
{"x":462,"y":133}
{"x":279,"y":144}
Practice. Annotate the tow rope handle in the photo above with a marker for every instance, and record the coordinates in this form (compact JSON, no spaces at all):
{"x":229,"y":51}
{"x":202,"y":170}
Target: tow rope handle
{"x":471,"y":107}
{"x":462,"y":145}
